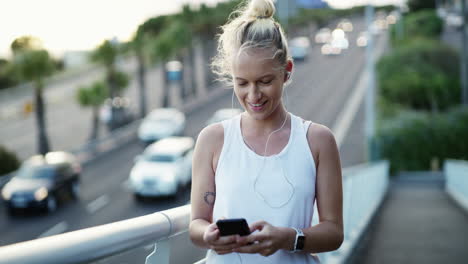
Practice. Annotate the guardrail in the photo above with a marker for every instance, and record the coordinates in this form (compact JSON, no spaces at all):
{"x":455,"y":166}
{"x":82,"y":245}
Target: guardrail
{"x":364,"y":188}
{"x":456,"y":181}
{"x":98,"y":242}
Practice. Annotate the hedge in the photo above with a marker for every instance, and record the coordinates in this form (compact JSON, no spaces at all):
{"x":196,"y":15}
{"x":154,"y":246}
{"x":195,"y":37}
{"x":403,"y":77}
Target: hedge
{"x":422,"y":75}
{"x":8,"y":161}
{"x":424,"y":23}
{"x":413,"y":139}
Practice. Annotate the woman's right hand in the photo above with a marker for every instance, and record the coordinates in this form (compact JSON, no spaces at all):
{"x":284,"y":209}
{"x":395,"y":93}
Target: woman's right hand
{"x":221,"y":244}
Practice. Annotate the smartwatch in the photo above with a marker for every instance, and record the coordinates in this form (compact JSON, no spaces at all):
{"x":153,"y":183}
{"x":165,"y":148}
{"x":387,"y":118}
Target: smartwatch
{"x":299,"y":242}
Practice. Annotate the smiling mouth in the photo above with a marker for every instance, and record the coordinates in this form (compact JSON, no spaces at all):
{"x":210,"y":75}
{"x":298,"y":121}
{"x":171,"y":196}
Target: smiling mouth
{"x":257,"y":105}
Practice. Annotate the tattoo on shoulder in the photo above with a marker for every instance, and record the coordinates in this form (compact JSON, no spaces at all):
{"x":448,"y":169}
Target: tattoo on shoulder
{"x":210,"y":198}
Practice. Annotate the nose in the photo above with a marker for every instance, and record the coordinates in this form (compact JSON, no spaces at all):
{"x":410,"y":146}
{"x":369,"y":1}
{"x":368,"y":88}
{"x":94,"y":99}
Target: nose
{"x":254,"y":93}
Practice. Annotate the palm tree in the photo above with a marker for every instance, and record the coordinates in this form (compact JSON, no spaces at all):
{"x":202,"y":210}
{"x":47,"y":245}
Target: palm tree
{"x":138,"y":46}
{"x":34,"y":64}
{"x":167,"y":45}
{"x":188,"y":18}
{"x":144,"y":45}
{"x":106,"y":54}
{"x":93,"y":96}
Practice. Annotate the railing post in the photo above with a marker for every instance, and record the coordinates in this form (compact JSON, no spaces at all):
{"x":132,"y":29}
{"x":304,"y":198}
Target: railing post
{"x":160,"y":254}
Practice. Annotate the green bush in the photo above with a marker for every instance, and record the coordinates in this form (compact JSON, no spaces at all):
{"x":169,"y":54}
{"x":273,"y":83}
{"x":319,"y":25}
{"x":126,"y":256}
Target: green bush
{"x":422,"y":75}
{"x":412,"y":140}
{"x":416,"y":5}
{"x":421,"y":24}
{"x":8,"y":161}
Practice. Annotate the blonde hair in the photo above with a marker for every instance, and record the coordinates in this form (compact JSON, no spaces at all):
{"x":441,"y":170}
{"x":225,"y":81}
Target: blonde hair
{"x":250,"y":26}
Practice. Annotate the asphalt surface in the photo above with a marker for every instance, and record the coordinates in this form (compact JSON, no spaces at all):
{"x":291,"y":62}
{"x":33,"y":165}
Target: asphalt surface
{"x":418,"y":223}
{"x":321,"y":86}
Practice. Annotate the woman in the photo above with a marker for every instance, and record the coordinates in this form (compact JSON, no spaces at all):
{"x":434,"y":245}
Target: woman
{"x":265,"y":165}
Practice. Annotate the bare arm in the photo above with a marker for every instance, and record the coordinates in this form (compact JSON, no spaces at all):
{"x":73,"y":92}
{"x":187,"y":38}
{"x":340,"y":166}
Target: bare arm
{"x":328,"y":234}
{"x":203,"y":194}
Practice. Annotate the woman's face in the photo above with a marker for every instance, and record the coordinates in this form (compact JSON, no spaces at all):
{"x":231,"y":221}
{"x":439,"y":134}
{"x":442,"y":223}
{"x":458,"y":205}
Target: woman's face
{"x":258,"y":82}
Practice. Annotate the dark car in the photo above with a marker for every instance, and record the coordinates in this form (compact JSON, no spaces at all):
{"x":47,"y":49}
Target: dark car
{"x":121,"y":116}
{"x":41,"y":181}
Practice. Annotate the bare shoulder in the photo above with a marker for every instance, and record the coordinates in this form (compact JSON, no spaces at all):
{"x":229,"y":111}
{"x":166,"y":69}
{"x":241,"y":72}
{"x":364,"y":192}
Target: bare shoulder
{"x":320,"y":139}
{"x":320,"y":134}
{"x":211,"y":134}
{"x":210,"y":142}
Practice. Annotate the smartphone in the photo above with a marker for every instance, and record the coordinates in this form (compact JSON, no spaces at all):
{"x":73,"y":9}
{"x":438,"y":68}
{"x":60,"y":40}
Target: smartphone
{"x":234,"y":226}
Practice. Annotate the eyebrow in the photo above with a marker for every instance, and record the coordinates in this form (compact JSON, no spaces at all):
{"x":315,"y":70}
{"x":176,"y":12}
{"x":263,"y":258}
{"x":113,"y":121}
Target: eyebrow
{"x":264,"y":76}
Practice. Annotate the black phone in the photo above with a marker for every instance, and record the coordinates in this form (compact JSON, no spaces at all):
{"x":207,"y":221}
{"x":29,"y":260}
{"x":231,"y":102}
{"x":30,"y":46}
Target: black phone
{"x":234,"y":226}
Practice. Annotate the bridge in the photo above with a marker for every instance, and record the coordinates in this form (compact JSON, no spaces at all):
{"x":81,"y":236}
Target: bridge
{"x":409,"y":218}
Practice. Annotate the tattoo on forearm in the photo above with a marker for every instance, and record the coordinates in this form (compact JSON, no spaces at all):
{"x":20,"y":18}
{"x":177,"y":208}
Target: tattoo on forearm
{"x":210,"y":197}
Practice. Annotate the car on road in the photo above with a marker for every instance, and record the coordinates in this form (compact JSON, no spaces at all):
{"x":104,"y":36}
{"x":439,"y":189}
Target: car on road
{"x":42,"y":180}
{"x":223,"y":114}
{"x":323,"y":36}
{"x":299,"y":47}
{"x":121,"y":115}
{"x":163,"y":168}
{"x":362,"y":39}
{"x":345,"y":25}
{"x":161,"y":123}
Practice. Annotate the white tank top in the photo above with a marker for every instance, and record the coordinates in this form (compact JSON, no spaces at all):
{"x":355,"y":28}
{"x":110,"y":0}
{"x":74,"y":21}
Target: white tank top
{"x":288,"y":176}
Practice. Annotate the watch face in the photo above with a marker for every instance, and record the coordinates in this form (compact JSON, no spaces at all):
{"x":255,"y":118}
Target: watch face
{"x":300,"y":242}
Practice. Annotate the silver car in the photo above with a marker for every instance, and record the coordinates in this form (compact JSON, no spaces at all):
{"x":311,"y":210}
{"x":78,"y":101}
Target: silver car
{"x":161,"y":123}
{"x":163,"y":168}
{"x":223,"y":114}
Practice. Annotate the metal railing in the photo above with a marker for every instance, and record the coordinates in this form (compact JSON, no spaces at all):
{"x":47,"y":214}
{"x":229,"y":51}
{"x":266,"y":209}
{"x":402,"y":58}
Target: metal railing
{"x":364,"y":187}
{"x":456,"y":181}
{"x":91,"y":244}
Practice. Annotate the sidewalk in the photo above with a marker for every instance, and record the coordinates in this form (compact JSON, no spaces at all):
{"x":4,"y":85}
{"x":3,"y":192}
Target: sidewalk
{"x":417,"y":223}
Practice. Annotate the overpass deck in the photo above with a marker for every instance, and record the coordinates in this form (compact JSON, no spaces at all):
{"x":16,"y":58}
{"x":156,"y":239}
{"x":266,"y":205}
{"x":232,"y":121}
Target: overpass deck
{"x":418,"y":222}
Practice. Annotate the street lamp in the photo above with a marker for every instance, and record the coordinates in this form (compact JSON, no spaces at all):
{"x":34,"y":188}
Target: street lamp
{"x":464,"y":55}
{"x":370,"y":93}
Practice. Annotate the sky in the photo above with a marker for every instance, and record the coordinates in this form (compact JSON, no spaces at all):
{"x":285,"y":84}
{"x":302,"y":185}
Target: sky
{"x":67,"y":25}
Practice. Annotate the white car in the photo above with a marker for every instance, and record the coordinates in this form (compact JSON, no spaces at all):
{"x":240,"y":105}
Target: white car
{"x":161,"y":123}
{"x":223,"y":114}
{"x":362,"y":39}
{"x":299,"y":48}
{"x":345,"y":25}
{"x":163,"y":167}
{"x":323,"y":36}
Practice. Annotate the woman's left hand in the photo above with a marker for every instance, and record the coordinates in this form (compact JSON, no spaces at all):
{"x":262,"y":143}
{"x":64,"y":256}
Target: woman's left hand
{"x":266,"y":241}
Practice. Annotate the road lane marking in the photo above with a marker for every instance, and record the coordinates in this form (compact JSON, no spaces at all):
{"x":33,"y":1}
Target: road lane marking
{"x":56,"y":229}
{"x":97,"y":204}
{"x":343,"y":122}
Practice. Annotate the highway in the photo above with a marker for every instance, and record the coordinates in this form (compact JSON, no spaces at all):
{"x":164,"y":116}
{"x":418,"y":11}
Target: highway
{"x":320,"y":88}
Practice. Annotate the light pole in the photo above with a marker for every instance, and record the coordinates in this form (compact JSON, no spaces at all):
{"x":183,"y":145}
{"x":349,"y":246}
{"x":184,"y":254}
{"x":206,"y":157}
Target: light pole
{"x":464,"y":55}
{"x":370,"y":93}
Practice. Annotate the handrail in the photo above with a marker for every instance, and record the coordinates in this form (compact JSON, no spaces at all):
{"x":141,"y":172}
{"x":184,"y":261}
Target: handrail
{"x":364,"y":187}
{"x":456,"y":181}
{"x":100,"y":241}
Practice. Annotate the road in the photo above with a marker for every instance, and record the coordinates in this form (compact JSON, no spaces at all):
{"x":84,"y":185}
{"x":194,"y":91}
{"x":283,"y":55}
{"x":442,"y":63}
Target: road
{"x":320,"y":88}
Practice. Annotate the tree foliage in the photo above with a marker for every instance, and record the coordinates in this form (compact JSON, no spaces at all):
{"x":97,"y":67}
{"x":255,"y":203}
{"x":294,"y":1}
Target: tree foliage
{"x":424,"y":23}
{"x":416,"y":5}
{"x":412,"y":140}
{"x":8,"y":161}
{"x":92,"y":95}
{"x":421,"y":75}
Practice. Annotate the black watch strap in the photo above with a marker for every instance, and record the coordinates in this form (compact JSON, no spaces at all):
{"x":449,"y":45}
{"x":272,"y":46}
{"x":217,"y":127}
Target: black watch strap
{"x":299,"y":242}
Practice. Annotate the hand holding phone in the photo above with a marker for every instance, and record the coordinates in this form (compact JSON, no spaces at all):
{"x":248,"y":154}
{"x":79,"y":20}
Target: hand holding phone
{"x":234,"y":226}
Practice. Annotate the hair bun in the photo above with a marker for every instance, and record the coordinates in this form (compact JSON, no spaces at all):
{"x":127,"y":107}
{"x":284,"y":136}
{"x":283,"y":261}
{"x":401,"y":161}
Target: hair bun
{"x":260,"y":9}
